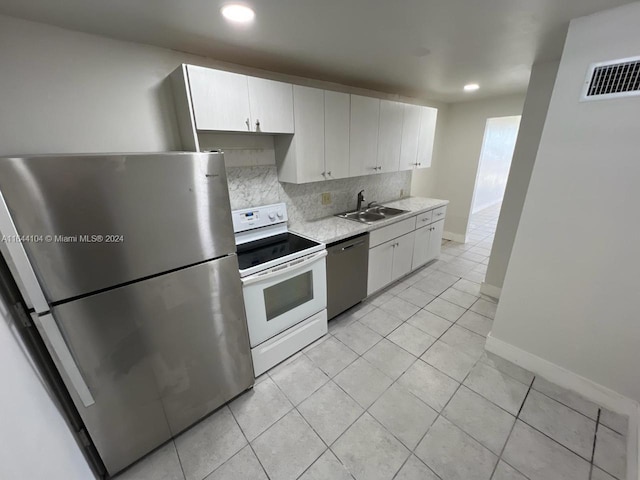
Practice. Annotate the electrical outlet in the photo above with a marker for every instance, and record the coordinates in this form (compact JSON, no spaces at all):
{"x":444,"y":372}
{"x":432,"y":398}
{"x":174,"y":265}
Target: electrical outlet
{"x":326,"y":198}
{"x":401,"y":192}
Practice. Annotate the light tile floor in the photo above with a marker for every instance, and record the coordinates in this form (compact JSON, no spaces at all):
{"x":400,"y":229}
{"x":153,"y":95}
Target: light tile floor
{"x":401,"y":388}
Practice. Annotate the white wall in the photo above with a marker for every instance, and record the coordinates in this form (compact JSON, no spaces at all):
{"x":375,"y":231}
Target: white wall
{"x":36,"y":442}
{"x":534,"y":114}
{"x":570,"y":294}
{"x":64,"y":91}
{"x":495,"y":160}
{"x":457,"y":166}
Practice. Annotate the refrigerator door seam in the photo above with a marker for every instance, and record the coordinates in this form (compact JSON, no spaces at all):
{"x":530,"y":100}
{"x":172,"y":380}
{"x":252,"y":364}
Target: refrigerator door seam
{"x":50,"y":330}
{"x":18,"y":256}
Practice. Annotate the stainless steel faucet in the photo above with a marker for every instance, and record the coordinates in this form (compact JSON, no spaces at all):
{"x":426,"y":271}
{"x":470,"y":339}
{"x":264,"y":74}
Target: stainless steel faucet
{"x":361,"y":199}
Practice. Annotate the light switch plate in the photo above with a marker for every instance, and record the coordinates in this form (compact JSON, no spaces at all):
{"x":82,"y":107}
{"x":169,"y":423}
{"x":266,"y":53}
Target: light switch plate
{"x":326,"y":198}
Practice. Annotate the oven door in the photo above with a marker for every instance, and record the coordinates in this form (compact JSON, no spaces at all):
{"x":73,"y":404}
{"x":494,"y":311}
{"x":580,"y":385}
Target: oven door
{"x":285,"y":295}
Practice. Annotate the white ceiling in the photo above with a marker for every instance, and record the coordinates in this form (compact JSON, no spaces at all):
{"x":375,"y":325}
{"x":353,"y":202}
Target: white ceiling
{"x":421,"y":48}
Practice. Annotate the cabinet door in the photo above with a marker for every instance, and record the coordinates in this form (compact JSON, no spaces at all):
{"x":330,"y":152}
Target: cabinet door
{"x":421,"y":247}
{"x":435,"y":239}
{"x":402,"y":255}
{"x":389,"y":136}
{"x":428,"y":119}
{"x":410,"y":135}
{"x":336,"y":134}
{"x":309,"y":137}
{"x":271,"y":106}
{"x":380,"y":266}
{"x":363,"y":135}
{"x":220,"y":99}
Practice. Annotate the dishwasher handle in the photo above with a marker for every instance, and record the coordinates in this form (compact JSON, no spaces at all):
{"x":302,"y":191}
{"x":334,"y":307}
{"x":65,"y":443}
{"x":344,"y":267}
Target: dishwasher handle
{"x":356,"y":244}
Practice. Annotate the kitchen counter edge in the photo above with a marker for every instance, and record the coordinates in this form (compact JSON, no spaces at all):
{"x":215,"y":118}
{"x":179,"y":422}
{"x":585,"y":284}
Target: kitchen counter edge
{"x":333,"y":229}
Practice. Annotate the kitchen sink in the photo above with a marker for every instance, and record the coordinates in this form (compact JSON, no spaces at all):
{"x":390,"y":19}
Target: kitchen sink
{"x":372,"y":214}
{"x":386,"y":211}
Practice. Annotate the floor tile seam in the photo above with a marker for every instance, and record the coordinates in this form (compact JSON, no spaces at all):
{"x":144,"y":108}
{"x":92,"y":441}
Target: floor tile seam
{"x":439,"y":414}
{"x":276,"y":420}
{"x":366,"y":411}
{"x":175,"y":449}
{"x":339,"y":371}
{"x":295,"y":407}
{"x":568,"y":406}
{"x":249,"y":443}
{"x":420,"y":460}
{"x":554,"y":440}
{"x":504,"y":447}
{"x":547,"y":436}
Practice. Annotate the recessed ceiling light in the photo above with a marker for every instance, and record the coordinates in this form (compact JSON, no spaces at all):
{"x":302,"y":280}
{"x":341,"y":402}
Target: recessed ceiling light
{"x":238,"y":13}
{"x":472,"y":87}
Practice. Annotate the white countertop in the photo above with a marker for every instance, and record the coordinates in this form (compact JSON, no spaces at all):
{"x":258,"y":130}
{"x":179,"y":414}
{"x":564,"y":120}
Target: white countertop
{"x":331,"y":229}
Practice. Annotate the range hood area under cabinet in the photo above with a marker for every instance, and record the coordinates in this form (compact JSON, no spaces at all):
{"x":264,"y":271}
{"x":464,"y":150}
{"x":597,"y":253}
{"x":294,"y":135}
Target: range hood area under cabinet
{"x":318,"y":134}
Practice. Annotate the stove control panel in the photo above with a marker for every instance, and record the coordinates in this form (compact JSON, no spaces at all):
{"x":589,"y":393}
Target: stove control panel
{"x":257,"y":217}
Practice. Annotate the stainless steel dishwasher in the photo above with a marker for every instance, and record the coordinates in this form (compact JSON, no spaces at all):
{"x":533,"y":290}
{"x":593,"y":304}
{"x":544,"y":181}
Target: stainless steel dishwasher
{"x":347,"y":271}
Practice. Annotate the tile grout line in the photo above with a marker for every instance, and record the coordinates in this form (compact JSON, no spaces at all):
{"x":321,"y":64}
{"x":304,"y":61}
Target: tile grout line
{"x":504,"y":447}
{"x":295,"y":407}
{"x":249,"y":444}
{"x":595,"y":439}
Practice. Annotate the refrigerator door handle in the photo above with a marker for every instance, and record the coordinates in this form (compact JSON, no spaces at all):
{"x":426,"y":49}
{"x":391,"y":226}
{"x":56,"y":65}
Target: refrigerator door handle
{"x":50,"y":330}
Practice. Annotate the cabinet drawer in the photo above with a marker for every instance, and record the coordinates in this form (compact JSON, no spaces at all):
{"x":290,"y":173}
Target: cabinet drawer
{"x":424,"y":219}
{"x":385,"y":234}
{"x":438,"y":213}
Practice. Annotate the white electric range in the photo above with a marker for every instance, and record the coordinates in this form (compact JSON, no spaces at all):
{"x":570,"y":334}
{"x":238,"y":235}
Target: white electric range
{"x":284,"y":284}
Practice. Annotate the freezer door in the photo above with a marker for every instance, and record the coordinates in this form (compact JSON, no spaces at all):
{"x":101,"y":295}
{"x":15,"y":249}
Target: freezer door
{"x":97,"y":221}
{"x":145,"y":361}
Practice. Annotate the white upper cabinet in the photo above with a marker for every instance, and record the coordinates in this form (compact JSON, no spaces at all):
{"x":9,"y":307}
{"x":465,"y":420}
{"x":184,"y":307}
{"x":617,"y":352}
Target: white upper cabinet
{"x":271,"y":105}
{"x":301,"y":157}
{"x":336,"y":134}
{"x":389,"y":136}
{"x":220,"y":99}
{"x":426,"y":136}
{"x":410,"y":134}
{"x":327,"y":135}
{"x":363,"y":148}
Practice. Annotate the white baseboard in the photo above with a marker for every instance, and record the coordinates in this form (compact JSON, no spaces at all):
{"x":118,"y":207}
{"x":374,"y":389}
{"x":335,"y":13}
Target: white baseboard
{"x":490,"y":290}
{"x":587,"y":388}
{"x":456,"y":237}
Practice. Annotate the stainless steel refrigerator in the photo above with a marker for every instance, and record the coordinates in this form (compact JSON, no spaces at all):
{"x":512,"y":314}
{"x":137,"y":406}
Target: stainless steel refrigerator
{"x":128,"y":264}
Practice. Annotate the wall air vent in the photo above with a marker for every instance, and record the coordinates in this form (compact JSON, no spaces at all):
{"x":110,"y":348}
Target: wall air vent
{"x":612,"y":79}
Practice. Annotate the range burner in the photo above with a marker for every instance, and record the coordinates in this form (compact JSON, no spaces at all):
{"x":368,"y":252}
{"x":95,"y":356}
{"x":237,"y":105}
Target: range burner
{"x":265,"y":250}
{"x":263,"y":240}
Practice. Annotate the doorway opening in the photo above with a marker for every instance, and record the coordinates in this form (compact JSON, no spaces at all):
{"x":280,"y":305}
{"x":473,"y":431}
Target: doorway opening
{"x":495,"y":161}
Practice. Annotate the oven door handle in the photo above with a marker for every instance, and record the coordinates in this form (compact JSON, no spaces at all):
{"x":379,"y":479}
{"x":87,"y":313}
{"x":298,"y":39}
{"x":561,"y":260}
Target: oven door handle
{"x":276,"y":271}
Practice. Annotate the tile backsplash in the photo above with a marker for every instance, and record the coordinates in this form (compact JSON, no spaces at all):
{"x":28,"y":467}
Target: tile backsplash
{"x":253,"y":180}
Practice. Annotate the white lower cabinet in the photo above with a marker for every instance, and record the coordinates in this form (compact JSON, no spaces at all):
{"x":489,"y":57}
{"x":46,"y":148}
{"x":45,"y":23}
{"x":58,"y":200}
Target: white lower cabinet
{"x":389,"y":261}
{"x":435,"y":239}
{"x":428,"y":241}
{"x":380,"y":266}
{"x":421,"y":247}
{"x":402,"y":256}
{"x":400,"y":248}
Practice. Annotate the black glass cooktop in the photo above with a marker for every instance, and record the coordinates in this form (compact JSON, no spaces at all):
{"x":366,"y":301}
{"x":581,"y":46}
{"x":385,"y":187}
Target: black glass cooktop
{"x":262,"y":251}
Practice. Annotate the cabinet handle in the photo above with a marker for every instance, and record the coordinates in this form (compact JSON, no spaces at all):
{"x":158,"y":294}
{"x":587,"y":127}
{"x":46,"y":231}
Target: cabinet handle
{"x":323,"y":174}
{"x":248,"y":124}
{"x":329,"y":173}
{"x":257,"y":125}
{"x":419,"y":164}
{"x":439,"y":214}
